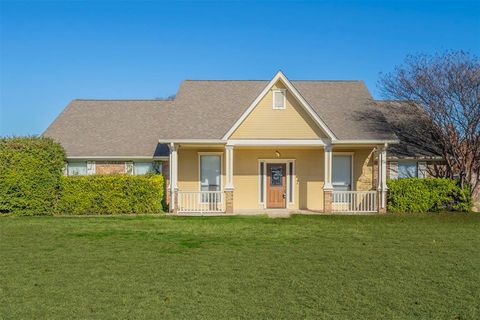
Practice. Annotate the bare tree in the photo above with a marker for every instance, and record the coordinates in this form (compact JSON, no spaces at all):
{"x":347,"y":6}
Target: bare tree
{"x":447,"y":87}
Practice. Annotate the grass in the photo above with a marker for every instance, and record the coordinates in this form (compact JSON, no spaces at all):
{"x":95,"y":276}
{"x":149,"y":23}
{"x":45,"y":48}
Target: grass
{"x":316,"y":267}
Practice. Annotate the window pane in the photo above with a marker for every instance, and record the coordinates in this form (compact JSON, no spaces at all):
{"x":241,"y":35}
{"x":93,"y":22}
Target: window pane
{"x":278,"y":99}
{"x":276,"y":174}
{"x":407,"y":170}
{"x":210,"y":168}
{"x":77,"y":168}
{"x":342,"y":172}
{"x":141,"y":168}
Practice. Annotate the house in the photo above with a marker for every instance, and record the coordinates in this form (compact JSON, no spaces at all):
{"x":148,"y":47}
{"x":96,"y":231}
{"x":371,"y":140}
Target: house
{"x":416,"y":155}
{"x":241,"y":146}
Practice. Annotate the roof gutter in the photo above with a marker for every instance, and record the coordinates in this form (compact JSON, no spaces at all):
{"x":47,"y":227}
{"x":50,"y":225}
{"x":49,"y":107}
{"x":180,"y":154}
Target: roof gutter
{"x":365,"y":141}
{"x":194,"y":141}
{"x":117,"y":157}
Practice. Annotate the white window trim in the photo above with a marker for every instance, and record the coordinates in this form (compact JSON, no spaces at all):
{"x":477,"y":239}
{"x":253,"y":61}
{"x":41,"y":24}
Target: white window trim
{"x":352,"y":154}
{"x":129,"y":163}
{"x":422,"y":169}
{"x":93,"y":168}
{"x":393,"y":172}
{"x":263,"y":180}
{"x":284,"y":91}
{"x":200,"y":168}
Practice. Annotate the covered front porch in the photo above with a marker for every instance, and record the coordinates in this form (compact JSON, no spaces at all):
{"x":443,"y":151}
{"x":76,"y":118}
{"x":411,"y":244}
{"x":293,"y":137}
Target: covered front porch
{"x":254,"y":176}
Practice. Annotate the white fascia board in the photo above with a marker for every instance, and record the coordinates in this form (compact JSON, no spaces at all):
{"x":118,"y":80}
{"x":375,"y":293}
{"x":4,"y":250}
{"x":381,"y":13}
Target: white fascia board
{"x":422,"y":158}
{"x":365,"y":141}
{"x":262,"y":143}
{"x":193,"y":141}
{"x":296,"y":94}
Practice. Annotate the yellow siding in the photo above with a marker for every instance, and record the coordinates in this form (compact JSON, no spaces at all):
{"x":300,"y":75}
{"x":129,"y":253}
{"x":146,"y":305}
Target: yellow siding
{"x":309,"y":174}
{"x":308,"y":192}
{"x":188,"y":166}
{"x":267,"y":123}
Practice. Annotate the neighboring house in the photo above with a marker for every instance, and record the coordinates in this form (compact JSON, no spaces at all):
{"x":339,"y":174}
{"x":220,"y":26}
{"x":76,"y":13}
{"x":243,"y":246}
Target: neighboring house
{"x":416,"y":155}
{"x":241,"y":146}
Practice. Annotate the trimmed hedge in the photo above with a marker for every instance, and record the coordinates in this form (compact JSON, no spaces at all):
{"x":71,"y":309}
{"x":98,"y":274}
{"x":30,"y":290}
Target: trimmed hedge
{"x":110,"y":194}
{"x":427,"y":195}
{"x":30,"y":171}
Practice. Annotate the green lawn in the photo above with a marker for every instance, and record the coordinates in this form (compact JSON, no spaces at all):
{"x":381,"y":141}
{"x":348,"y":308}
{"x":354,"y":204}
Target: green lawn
{"x":333,"y":267}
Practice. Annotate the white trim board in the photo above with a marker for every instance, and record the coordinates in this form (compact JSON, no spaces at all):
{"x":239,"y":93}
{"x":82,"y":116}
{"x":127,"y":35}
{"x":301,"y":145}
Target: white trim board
{"x":277,"y":143}
{"x":192,"y":141}
{"x":365,"y":141}
{"x":296,"y":94}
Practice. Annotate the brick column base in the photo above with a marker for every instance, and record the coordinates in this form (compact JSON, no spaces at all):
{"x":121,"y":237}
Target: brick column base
{"x":381,"y":194}
{"x":228,"y":201}
{"x":327,"y":200}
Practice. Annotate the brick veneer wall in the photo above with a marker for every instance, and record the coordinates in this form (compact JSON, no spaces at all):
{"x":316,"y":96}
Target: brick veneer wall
{"x":109,"y":167}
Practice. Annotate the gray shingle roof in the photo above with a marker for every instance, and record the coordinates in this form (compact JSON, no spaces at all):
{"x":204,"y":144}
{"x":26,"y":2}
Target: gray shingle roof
{"x":112,"y":128}
{"x":414,"y":130}
{"x":205,"y":109}
{"x":346,"y":107}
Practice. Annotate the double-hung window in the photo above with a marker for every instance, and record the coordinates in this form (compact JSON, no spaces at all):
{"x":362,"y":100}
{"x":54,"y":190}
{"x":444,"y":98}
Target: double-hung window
{"x":210,"y":173}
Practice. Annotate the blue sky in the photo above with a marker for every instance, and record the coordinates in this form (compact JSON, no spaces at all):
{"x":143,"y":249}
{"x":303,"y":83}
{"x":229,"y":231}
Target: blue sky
{"x":53,"y":52}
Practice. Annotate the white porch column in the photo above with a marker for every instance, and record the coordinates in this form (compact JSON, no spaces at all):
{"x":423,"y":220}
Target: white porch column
{"x":327,"y":185}
{"x":382,"y":177}
{"x":328,"y":168}
{"x":173,"y":175}
{"x":229,"y":178}
{"x":229,"y":167}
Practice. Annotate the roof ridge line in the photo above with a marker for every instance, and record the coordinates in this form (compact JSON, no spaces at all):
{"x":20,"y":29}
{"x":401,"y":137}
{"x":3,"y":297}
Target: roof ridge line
{"x":266,"y":80}
{"x":123,"y":100}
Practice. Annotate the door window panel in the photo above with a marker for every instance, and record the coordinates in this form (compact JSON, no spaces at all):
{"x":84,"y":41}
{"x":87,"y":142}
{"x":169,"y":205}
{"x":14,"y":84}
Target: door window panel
{"x":276,"y":174}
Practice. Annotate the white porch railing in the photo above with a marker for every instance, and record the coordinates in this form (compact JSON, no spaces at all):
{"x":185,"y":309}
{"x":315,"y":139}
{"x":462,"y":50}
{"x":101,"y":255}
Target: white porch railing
{"x":354,"y":201}
{"x":200,"y":201}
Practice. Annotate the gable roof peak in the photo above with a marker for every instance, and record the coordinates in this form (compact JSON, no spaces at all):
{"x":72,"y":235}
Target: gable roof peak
{"x":281,"y":76}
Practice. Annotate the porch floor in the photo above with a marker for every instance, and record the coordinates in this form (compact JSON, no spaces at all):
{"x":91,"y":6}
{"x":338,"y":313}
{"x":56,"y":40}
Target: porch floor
{"x":272,"y":213}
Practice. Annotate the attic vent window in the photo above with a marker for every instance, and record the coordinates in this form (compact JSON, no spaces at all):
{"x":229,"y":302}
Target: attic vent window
{"x":279,"y":98}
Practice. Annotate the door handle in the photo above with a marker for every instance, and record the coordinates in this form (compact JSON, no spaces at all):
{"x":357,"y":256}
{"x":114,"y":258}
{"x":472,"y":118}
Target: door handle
{"x":284,"y":195}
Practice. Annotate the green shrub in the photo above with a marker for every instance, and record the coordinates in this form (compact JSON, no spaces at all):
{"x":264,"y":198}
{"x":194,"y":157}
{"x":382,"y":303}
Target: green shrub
{"x":427,"y":195}
{"x":110,"y":194}
{"x":30,"y":171}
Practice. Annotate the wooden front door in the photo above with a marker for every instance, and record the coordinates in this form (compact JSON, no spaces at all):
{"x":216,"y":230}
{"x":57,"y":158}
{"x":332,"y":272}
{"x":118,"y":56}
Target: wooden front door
{"x":276,"y":185}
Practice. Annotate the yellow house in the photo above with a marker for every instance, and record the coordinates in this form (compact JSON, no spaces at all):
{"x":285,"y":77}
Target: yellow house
{"x":242,"y":146}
